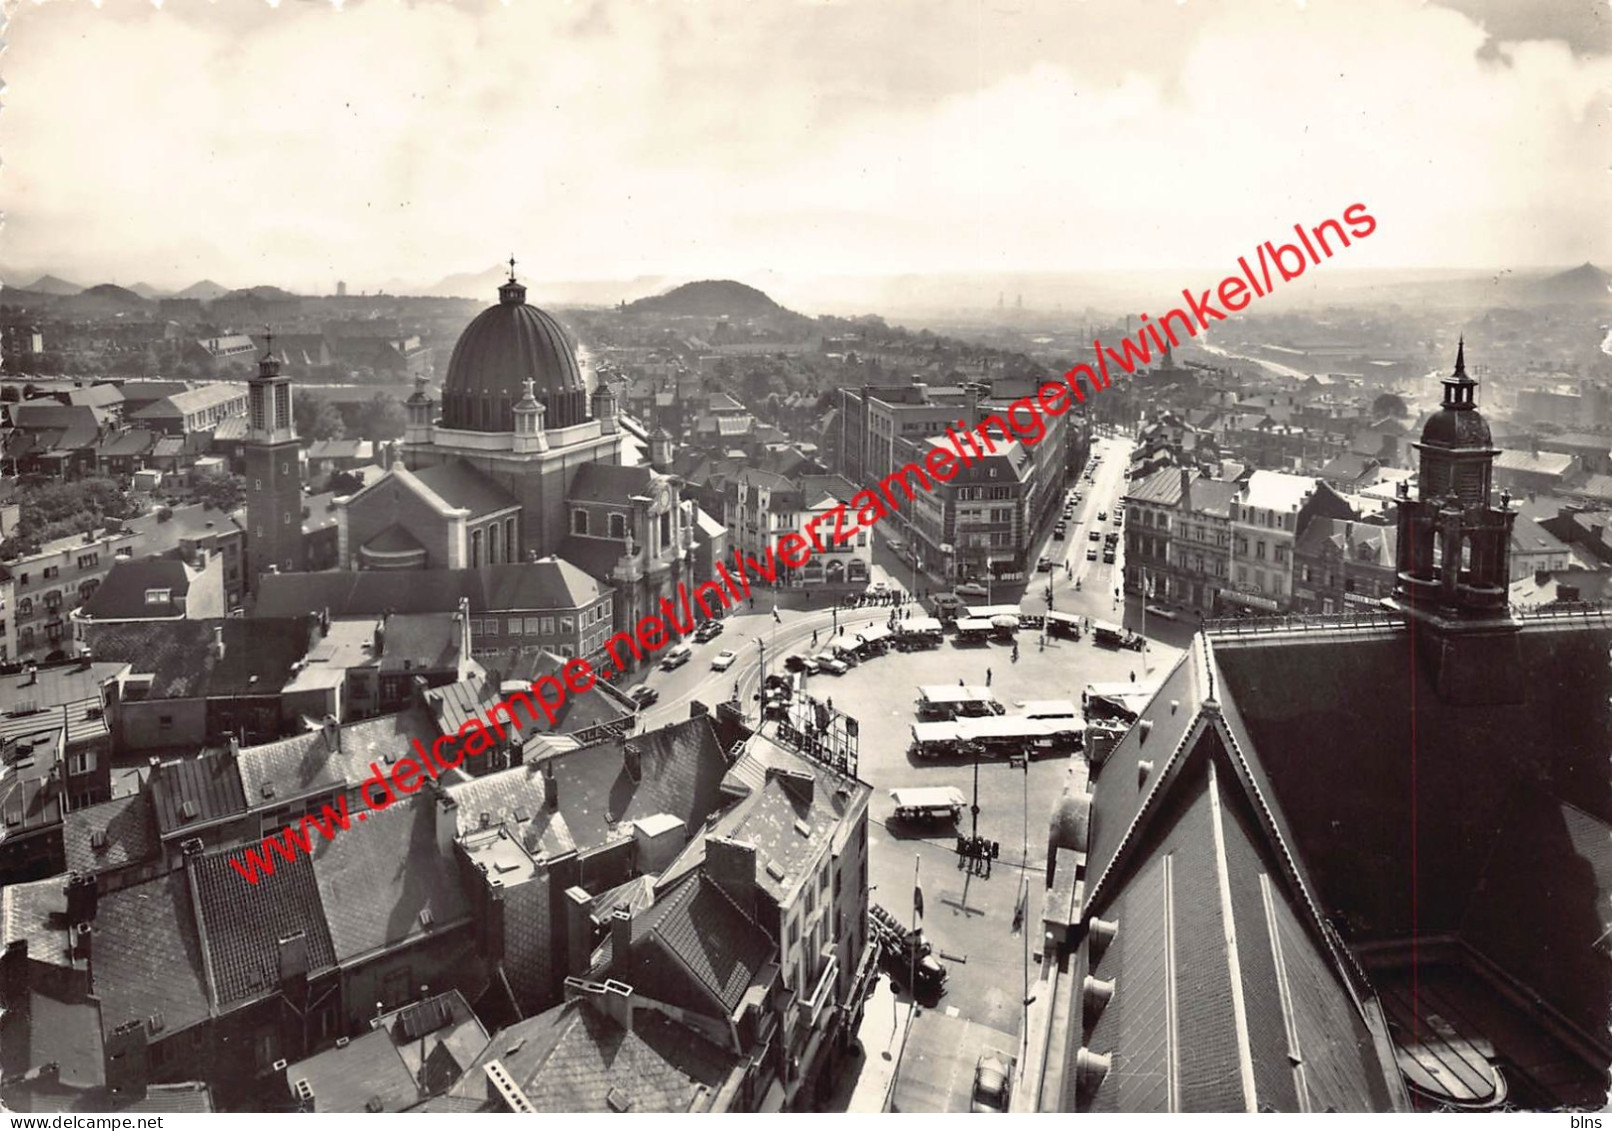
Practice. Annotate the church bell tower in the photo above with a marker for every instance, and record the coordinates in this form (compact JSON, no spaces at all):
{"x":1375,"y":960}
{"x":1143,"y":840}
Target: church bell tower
{"x":273,"y":472}
{"x":1455,"y":548}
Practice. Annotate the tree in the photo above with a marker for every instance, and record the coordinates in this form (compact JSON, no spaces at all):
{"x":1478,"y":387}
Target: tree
{"x":318,"y":419}
{"x":224,"y":492}
{"x":1390,"y":404}
{"x":383,"y":418}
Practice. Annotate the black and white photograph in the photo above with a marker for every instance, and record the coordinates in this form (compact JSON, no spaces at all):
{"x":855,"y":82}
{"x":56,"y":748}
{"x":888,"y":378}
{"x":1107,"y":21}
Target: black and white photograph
{"x":833,"y":556}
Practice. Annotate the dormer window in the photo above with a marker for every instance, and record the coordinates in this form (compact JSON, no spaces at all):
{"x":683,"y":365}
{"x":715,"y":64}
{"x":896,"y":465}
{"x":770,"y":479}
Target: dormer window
{"x":159,"y":596}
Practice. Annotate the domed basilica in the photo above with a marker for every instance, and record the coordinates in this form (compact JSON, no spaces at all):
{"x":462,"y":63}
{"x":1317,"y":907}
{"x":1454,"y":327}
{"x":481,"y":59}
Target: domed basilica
{"x":518,"y":461}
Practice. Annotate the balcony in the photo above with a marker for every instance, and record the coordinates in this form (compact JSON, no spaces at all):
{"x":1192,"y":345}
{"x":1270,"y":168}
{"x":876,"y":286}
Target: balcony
{"x":822,"y":995}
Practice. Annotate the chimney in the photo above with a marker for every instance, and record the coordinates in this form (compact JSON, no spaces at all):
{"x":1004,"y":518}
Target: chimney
{"x":330,"y":729}
{"x":1186,"y":488}
{"x":620,"y":934}
{"x":127,"y":1065}
{"x":218,"y":642}
{"x":82,"y":896}
{"x":380,"y":639}
{"x":634,"y":760}
{"x":293,"y":958}
{"x":731,"y":865}
{"x":447,"y":822}
{"x":14,"y":976}
{"x":578,"y":931}
{"x":551,"y":788}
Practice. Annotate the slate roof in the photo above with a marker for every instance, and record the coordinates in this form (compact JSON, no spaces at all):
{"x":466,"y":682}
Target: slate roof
{"x":1534,"y":463}
{"x":609,"y":483}
{"x":258,"y":655}
{"x":305,"y":764}
{"x":710,"y":938}
{"x":570,"y":1058}
{"x":1161,"y":488}
{"x":148,"y":956}
{"x":460,"y":485}
{"x":134,"y":442}
{"x":122,"y":593}
{"x":97,"y":396}
{"x":1332,"y":757}
{"x":545,"y":585}
{"x":209,"y":784}
{"x":376,"y":881}
{"x":597,"y":557}
{"x":61,"y":1026}
{"x":128,"y":829}
{"x":365,"y":1076}
{"x":243,"y":923}
{"x":681,"y":771}
{"x":192,"y":400}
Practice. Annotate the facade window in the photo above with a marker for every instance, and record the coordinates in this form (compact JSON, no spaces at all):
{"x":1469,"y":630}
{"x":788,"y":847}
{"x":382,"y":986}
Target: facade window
{"x":532,"y":624}
{"x":52,"y":572}
{"x":475,"y":549}
{"x":548,"y":626}
{"x":1259,"y":550}
{"x":618,"y":526}
{"x":567,"y":625}
{"x":514,"y":626}
{"x":165,"y":722}
{"x":88,"y":561}
{"x":510,"y":551}
{"x":579,"y":521}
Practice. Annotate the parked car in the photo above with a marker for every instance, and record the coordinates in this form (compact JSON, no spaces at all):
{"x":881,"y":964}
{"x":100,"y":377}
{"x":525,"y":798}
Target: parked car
{"x":993,"y":1080}
{"x":677,"y":657}
{"x":970,"y":589}
{"x":1091,"y":555}
{"x":1059,"y":532}
{"x":1102,"y":516}
{"x":708,"y":630}
{"x":1108,"y":556}
{"x":1162,"y":613}
{"x":643,"y":696}
{"x":799,"y":663}
{"x":723,"y":660}
{"x":1094,"y":536}
{"x":1044,"y":565}
{"x":828,"y":662}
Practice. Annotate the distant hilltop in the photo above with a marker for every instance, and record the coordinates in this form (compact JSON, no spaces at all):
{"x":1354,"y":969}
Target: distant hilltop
{"x":1582,"y":284}
{"x":709,"y":298}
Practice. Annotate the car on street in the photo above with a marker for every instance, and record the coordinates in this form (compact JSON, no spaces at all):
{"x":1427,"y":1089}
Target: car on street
{"x":1060,"y":532}
{"x":1094,"y":536}
{"x":723,"y":660}
{"x":828,"y":662}
{"x":708,"y":630}
{"x":993,"y":1076}
{"x":677,"y":657}
{"x":878,"y":587}
{"x":798,"y":663}
{"x":1044,"y":565}
{"x":969,"y":589}
{"x":1108,"y":556}
{"x":1091,"y":555}
{"x":643,"y":696}
{"x":1102,"y":516}
{"x":1162,"y":613}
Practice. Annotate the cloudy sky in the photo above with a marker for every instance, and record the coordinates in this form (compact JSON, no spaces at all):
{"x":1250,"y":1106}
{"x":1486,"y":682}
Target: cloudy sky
{"x":297,"y":144}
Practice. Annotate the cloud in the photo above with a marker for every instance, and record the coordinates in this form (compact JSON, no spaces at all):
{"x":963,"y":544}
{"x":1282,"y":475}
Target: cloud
{"x":298,"y":145}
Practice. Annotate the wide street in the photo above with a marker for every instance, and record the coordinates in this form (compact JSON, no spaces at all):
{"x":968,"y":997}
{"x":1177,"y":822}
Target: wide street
{"x":970,"y":918}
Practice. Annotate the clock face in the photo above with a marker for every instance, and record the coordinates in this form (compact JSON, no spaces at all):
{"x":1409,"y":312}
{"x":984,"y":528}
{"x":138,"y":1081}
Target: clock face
{"x":663,"y":497}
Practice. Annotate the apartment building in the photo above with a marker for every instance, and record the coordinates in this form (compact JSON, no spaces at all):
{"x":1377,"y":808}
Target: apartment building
{"x":47,"y":586}
{"x":1265,"y":524}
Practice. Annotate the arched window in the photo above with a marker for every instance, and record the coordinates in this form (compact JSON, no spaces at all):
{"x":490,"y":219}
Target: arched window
{"x":510,"y":552}
{"x":579,"y":521}
{"x":492,"y":544}
{"x":618,"y":525}
{"x":475,"y":548}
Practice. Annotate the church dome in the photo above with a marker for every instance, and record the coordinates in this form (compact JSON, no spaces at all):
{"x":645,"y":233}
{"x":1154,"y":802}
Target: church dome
{"x":502,"y":347}
{"x":1458,"y":423}
{"x":1457,"y":428}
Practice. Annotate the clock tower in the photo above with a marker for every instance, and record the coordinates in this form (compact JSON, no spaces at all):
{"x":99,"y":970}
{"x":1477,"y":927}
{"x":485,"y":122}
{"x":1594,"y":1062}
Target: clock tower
{"x":273,"y":472}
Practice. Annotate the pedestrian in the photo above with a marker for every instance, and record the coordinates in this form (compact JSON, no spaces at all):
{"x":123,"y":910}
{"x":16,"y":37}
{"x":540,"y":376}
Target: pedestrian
{"x":987,"y":677}
{"x":1133,"y":676}
{"x":814,"y":638}
{"x":960,"y":680}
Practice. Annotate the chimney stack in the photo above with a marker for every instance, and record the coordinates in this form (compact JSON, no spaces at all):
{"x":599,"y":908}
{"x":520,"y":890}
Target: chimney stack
{"x":621,"y":933}
{"x":218,"y":642}
{"x":551,"y":788}
{"x":634,"y":760}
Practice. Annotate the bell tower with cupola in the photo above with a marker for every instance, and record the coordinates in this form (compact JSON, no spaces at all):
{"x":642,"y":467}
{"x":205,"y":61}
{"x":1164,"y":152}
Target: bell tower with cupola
{"x":273,"y":471}
{"x":1455,"y":549}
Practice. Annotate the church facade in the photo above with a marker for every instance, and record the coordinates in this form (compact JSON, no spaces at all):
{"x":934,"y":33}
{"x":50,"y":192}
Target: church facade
{"x":517,"y":462}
